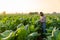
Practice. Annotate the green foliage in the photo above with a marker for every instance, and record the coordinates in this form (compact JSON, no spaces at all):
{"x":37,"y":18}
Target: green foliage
{"x":33,"y":36}
{"x":28,"y":27}
{"x":21,"y":34}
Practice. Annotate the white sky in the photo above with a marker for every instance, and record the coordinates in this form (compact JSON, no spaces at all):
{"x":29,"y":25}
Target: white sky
{"x":29,"y":5}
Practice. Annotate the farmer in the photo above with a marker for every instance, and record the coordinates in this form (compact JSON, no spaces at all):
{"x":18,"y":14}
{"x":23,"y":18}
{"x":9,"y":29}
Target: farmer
{"x":43,"y":22}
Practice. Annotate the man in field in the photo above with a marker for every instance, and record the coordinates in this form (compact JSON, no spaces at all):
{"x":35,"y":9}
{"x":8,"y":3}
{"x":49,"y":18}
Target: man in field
{"x":43,"y":22}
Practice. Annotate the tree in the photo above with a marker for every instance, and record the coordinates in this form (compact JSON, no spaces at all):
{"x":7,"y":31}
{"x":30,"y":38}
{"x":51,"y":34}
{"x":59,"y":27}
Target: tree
{"x":54,"y":12}
{"x":4,"y":12}
{"x":33,"y":13}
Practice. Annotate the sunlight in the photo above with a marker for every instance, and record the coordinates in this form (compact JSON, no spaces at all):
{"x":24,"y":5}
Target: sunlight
{"x":29,"y":5}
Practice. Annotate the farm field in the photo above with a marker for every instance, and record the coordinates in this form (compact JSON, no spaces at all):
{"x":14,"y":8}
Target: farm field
{"x":28,"y":27}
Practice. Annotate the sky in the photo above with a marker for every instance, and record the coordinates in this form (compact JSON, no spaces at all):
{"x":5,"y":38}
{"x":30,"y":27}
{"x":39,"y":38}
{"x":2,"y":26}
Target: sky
{"x":47,"y":6}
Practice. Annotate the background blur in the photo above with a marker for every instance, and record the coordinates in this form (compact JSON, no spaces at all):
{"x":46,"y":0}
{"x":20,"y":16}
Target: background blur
{"x":25,"y":6}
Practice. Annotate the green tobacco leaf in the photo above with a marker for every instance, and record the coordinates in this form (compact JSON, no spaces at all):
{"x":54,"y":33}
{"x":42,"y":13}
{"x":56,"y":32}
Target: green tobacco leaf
{"x":5,"y":35}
